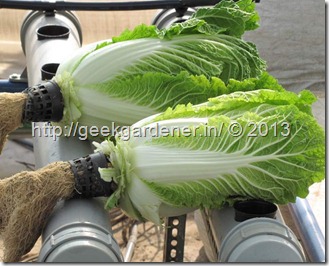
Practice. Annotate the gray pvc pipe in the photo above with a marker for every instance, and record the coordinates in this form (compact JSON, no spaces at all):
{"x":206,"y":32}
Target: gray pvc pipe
{"x":309,"y":230}
{"x":50,"y":38}
{"x":256,"y":239}
{"x":60,"y":37}
{"x":79,"y":231}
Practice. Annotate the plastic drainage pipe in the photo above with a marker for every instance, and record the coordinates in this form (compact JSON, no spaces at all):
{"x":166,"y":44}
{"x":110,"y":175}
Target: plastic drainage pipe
{"x":309,"y":230}
{"x":78,"y":231}
{"x":48,"y":38}
{"x":253,"y":231}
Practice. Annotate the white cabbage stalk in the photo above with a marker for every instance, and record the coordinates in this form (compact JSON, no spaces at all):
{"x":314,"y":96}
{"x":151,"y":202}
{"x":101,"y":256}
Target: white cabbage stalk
{"x":161,"y":175}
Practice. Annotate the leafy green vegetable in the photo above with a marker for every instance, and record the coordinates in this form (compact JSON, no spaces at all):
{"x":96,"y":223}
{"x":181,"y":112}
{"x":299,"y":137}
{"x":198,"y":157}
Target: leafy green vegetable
{"x":244,"y":145}
{"x":141,"y":72}
{"x":229,"y":17}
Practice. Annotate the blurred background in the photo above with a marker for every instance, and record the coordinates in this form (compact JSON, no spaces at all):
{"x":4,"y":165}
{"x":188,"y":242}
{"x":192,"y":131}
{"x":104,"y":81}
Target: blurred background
{"x":291,"y":38}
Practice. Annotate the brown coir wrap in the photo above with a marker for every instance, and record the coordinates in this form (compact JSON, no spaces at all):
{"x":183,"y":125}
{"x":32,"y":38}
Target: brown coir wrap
{"x":26,"y":201}
{"x":11,"y":113}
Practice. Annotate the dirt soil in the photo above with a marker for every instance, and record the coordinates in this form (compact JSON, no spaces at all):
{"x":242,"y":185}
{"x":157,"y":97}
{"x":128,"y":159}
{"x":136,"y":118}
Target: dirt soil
{"x":150,"y":243}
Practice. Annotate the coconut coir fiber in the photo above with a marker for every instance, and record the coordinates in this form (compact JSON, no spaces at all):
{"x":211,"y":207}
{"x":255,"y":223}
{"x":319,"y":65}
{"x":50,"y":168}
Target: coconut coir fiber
{"x":11,"y":112}
{"x":26,"y":201}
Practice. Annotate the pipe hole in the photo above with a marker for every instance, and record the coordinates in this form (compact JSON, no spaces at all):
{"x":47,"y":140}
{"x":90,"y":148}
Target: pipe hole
{"x":245,"y":210}
{"x":53,"y":32}
{"x":48,"y":71}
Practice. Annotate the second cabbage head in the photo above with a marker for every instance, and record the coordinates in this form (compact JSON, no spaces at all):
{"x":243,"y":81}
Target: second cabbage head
{"x":263,"y":144}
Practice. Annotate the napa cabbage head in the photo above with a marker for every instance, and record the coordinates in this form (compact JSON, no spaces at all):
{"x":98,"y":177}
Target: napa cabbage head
{"x":123,"y":80}
{"x":272,"y":150}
